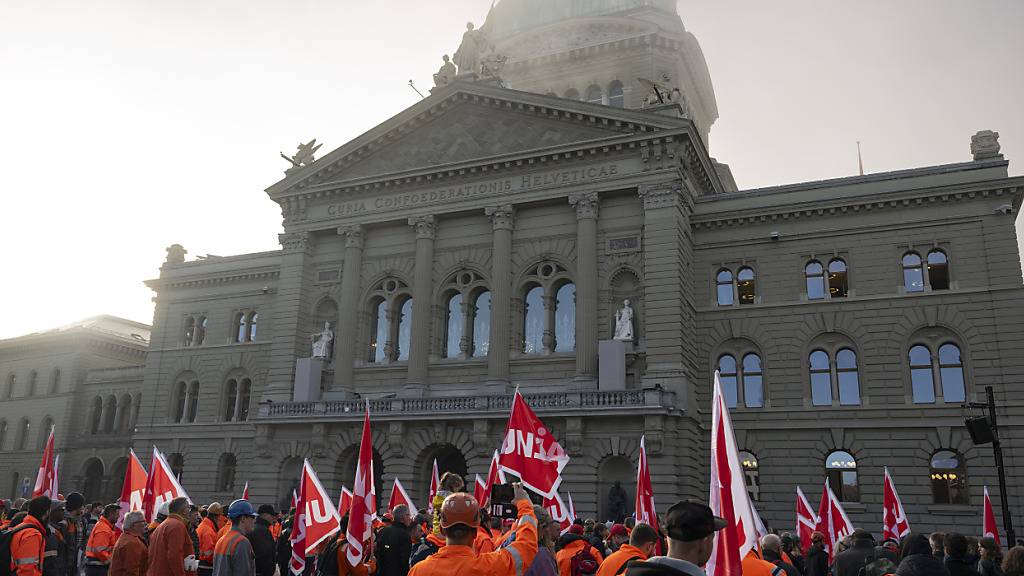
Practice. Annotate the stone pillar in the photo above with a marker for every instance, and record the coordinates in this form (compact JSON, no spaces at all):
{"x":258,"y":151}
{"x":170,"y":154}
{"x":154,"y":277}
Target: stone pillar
{"x":290,"y":314}
{"x":422,"y":292}
{"x":348,"y":309}
{"x":503,"y":221}
{"x":586,"y":204}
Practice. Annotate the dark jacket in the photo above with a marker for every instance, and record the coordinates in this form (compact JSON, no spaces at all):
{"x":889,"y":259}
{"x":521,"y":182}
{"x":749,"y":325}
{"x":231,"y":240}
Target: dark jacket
{"x":284,"y":547}
{"x":817,"y":561}
{"x":921,"y":565}
{"x":649,"y":568}
{"x":989,"y":568}
{"x":775,"y":558}
{"x":393,"y":548}
{"x":850,"y":561}
{"x":960,"y":567}
{"x":264,"y":549}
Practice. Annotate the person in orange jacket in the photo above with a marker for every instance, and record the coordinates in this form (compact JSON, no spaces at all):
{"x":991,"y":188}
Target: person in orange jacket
{"x":753,"y":565}
{"x":572,"y":543}
{"x":29,"y":542}
{"x":460,"y":519}
{"x":640,"y":547}
{"x":170,"y":547}
{"x":101,"y":542}
{"x":363,"y":568}
{"x":208,"y":537}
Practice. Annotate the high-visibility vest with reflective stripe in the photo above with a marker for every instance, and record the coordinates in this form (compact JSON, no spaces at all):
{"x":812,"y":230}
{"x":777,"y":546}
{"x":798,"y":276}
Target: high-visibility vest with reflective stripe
{"x":101,"y":543}
{"x":227,"y":545}
{"x":27,"y":548}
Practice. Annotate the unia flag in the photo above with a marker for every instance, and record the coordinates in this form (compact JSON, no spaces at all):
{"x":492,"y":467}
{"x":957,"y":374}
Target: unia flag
{"x":344,"y":501}
{"x":316,"y":519}
{"x":364,"y":506}
{"x":161,"y":486}
{"x":644,"y":505}
{"x":806,"y":519}
{"x":559,"y":512}
{"x":435,"y":484}
{"x":531,"y":452}
{"x":133,"y":490}
{"x":399,"y":496}
{"x":46,"y":478}
{"x":894,"y":519}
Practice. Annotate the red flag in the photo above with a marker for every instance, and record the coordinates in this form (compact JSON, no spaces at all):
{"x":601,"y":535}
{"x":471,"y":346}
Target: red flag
{"x":729,"y":497}
{"x":344,"y":501}
{"x":479,"y":486}
{"x":45,"y":478}
{"x":989,"y":527}
{"x":894,"y":519}
{"x":245,"y":491}
{"x":435,"y":483}
{"x":832,"y":520}
{"x":494,"y":476}
{"x":400,"y":496}
{"x":134,"y":488}
{"x":531,"y":452}
{"x":161,"y":486}
{"x":559,"y":512}
{"x":806,"y":519}
{"x":316,"y":519}
{"x":645,"y":511}
{"x":360,"y":520}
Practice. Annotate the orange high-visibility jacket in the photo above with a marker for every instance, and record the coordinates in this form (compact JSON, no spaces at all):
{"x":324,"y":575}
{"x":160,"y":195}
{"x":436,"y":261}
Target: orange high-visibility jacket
{"x":612,"y":565}
{"x":101,"y":543}
{"x":565,"y":555}
{"x":346,"y":569}
{"x":754,"y":566}
{"x":224,"y":529}
{"x":207,"y":532}
{"x":27,"y":548}
{"x":484,"y":542}
{"x":514,"y":560}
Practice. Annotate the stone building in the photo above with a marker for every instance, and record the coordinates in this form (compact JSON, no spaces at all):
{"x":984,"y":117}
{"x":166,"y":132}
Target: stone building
{"x":484,"y":239}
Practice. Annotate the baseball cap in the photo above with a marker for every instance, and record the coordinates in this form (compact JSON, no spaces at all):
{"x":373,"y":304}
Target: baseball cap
{"x":618,"y":530}
{"x":689,"y":521}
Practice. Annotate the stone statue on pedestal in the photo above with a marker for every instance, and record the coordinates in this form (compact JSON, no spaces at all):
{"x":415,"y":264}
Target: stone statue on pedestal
{"x":322,"y":342}
{"x":467,"y":57}
{"x":446,"y":74}
{"x":985,"y":145}
{"x":617,"y":502}
{"x":624,"y":322}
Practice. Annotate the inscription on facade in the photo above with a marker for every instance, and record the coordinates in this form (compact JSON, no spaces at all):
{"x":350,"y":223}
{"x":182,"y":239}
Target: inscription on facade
{"x":623,"y":244}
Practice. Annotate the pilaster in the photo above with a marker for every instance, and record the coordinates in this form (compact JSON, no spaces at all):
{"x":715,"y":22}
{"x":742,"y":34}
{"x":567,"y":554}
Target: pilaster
{"x":586,"y":205}
{"x":503,"y":223}
{"x":290,"y":314}
{"x":348,"y":309}
{"x":422,"y":289}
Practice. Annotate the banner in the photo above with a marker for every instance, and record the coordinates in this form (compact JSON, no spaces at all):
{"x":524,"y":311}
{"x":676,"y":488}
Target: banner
{"x":989,"y":527}
{"x":364,"y":505}
{"x":344,"y":501}
{"x":316,"y":519}
{"x":531,"y":452}
{"x":133,"y":489}
{"x":832,"y":519}
{"x":806,"y":519}
{"x":894,"y":519}
{"x":161,"y":486}
{"x":46,"y":477}
{"x":400,"y":496}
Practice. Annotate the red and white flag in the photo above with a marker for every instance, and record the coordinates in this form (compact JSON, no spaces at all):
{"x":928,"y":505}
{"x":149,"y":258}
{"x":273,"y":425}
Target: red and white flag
{"x":133,"y":489}
{"x":400,"y":496}
{"x":531,"y":452}
{"x":479,"y":487}
{"x":46,"y":477}
{"x":316,"y":519}
{"x":344,"y":501}
{"x":245,"y":491}
{"x":571,"y":507}
{"x":435,"y":484}
{"x":364,"y":505}
{"x":806,"y":519}
{"x":833,"y":522}
{"x":759,"y":528}
{"x":494,"y":476}
{"x":729,"y":497}
{"x":989,"y":527}
{"x":295,"y":500}
{"x":161,"y":486}
{"x":644,"y":505}
{"x":559,"y":512}
{"x":894,"y":519}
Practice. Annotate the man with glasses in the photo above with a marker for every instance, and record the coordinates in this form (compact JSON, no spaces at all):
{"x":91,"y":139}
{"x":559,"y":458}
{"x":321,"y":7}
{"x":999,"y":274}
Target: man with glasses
{"x":130,"y":556}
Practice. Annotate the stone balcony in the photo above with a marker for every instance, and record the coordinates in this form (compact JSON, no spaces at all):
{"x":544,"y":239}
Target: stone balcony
{"x":568,"y":403}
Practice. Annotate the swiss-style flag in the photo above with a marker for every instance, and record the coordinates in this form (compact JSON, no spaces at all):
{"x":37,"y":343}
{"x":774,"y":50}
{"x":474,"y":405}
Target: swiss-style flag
{"x":46,"y":477}
{"x":644,"y":505}
{"x":245,"y":491}
{"x":295,"y":500}
{"x":316,"y":519}
{"x":494,"y":476}
{"x":344,"y":501}
{"x":435,"y":484}
{"x":400,"y":496}
{"x":161,"y":486}
{"x":989,"y":527}
{"x":559,"y":511}
{"x":806,"y":519}
{"x":729,"y":497}
{"x":479,"y":486}
{"x":531,"y":452}
{"x":364,"y":506}
{"x":832,"y":520}
{"x":133,"y":490}
{"x":894,"y":519}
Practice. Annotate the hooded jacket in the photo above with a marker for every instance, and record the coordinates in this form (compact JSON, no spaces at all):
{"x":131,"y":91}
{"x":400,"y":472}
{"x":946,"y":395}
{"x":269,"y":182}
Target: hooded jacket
{"x":922,"y":565}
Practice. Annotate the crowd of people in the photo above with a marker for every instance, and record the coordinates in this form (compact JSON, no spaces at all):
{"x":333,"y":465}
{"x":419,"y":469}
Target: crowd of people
{"x":67,"y":537}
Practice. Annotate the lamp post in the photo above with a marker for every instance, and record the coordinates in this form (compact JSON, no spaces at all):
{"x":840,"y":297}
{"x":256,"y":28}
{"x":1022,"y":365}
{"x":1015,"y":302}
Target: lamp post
{"x":983,"y":430}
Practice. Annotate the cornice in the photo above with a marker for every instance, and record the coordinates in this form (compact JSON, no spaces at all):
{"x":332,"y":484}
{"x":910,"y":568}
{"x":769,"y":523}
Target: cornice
{"x":647,"y":40}
{"x":225,"y":278}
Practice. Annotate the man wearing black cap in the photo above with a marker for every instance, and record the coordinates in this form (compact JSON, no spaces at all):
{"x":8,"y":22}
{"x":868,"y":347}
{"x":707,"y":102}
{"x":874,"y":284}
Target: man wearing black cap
{"x":690,"y":528}
{"x":262,"y":540}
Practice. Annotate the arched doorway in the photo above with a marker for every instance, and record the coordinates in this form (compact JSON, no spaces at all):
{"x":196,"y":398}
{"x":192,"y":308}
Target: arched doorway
{"x":117,"y":473}
{"x":615,"y":469}
{"x":449,"y":459}
{"x":347,"y":472}
{"x":92,"y":482}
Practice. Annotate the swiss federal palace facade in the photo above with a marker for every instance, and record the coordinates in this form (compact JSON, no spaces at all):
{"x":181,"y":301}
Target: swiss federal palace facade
{"x":485,"y":239}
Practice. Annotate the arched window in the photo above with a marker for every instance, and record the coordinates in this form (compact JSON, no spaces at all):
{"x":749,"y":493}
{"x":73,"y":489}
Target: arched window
{"x":837,"y":279}
{"x":240,"y":330}
{"x":201,"y":325}
{"x":482,"y":324}
{"x":379,"y":337}
{"x":913,"y":276}
{"x":55,"y":381}
{"x":751,"y":474}
{"x":565,"y":318}
{"x":390,"y":307}
{"x":814,"y":276}
{"x":948,"y":372}
{"x":44,"y":432}
{"x":124,"y":413}
{"x":193,"y":402}
{"x":3,"y":433}
{"x":938,"y":270}
{"x":615,"y":96}
{"x":230,"y":400}
{"x":97,"y":415}
{"x":572,"y":94}
{"x":405,"y":330}
{"x":549,"y":310}
{"x":753,"y":382}
{"x":189,"y":331}
{"x":237,"y":396}
{"x":723,"y":283}
{"x":180,"y":392}
{"x":748,"y":373}
{"x":252,"y":318}
{"x":847,"y":377}
{"x":821,"y":379}
{"x":745,"y":287}
{"x":727,"y":377}
{"x":455,"y":321}
{"x":834,"y":374}
{"x":177,"y":463}
{"x":32,"y":378}
{"x":949,"y":478}
{"x":11,"y":381}
{"x":244,"y":397}
{"x":615,"y":470}
{"x":24,"y":430}
{"x":109,"y":414}
{"x":594,"y":95}
{"x":533,"y":329}
{"x":841,"y":471}
{"x":951,"y":373}
{"x":225,"y":473}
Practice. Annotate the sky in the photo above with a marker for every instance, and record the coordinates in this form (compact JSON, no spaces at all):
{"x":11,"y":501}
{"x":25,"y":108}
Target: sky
{"x":130,"y":125}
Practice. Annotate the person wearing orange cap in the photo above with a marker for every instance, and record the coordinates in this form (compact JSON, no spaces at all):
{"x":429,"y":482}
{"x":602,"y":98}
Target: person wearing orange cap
{"x":639,"y":548}
{"x":459,"y":521}
{"x":574,"y":548}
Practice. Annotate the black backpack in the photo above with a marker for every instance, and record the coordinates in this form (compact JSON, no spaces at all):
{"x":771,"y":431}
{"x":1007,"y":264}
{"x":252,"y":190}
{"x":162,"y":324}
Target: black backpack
{"x":327,"y":561}
{"x":422,"y":552}
{"x":6,"y":538}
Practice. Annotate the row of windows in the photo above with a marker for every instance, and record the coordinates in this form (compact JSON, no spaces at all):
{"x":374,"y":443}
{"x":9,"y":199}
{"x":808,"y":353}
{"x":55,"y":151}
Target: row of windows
{"x":235,"y":407}
{"x":831,"y":280}
{"x":33,"y":383}
{"x":22,"y":434}
{"x":947,"y":475}
{"x":836,"y":375}
{"x":612,"y":96}
{"x":242,"y":329}
{"x":113,"y":415}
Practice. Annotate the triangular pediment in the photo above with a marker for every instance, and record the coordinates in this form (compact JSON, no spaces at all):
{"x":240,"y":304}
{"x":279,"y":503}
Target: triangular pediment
{"x":465,"y":123}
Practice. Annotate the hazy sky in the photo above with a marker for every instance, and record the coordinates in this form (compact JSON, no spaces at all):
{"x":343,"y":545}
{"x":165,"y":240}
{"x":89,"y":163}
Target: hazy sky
{"x":126,"y":126}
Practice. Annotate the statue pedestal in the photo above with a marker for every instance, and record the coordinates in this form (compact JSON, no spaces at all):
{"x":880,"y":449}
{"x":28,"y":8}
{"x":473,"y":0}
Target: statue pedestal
{"x":611,"y":358}
{"x":308,"y":376}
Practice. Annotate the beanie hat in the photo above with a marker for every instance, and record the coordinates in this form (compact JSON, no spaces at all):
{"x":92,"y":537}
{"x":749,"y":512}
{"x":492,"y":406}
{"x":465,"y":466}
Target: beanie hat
{"x":74,"y":501}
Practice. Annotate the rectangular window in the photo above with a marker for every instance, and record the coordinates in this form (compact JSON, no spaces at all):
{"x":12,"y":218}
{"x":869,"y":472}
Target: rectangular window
{"x":821,"y":389}
{"x":923,"y":387}
{"x":952,"y":384}
{"x":849,"y":389}
{"x":753,"y":391}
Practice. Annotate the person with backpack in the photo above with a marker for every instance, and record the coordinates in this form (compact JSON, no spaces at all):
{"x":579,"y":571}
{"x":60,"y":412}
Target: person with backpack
{"x":24,"y":544}
{"x":640,"y":547}
{"x":576,"y":555}
{"x":232,"y":556}
{"x":333,"y":559}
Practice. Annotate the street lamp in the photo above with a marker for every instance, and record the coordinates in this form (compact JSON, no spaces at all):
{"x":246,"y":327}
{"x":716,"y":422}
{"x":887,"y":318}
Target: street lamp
{"x":985,"y":429}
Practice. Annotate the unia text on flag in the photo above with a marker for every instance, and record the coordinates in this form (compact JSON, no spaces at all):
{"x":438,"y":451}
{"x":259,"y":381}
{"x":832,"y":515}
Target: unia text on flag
{"x":316,"y":519}
{"x":45,"y":476}
{"x":729,"y":498}
{"x":559,"y":512}
{"x":161,"y":486}
{"x":435,"y":484}
{"x":400,"y":496}
{"x":989,"y":527}
{"x":832,"y":520}
{"x":894,"y":519}
{"x":806,"y":519}
{"x":364,"y":506}
{"x":531,"y":452}
{"x":344,"y":501}
{"x":133,"y":490}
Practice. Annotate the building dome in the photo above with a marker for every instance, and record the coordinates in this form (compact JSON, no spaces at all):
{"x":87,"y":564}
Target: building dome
{"x":513,"y":16}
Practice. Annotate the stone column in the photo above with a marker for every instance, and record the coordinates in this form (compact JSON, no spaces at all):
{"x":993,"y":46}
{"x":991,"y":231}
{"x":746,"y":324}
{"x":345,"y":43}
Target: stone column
{"x":290,"y":312}
{"x":503,"y":221}
{"x":422,"y":292}
{"x":586,"y":204}
{"x":345,"y":335}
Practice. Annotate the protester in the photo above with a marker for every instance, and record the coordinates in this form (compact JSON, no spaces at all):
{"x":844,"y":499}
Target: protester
{"x":617,"y":536}
{"x":1013,"y":562}
{"x":74,"y":516}
{"x":850,"y":561}
{"x":918,"y":559}
{"x":792,"y":550}
{"x":817,"y":556}
{"x":690,"y":531}
{"x":938,"y":542}
{"x":101,"y":542}
{"x":57,"y":554}
{"x":575,"y":550}
{"x":459,"y":518}
{"x":640,"y":547}
{"x":771,"y":546}
{"x":194,"y":520}
{"x":599,"y":537}
{"x":394,"y":545}
{"x":233,"y":556}
{"x":973,"y":555}
{"x":130,"y":556}
{"x":450,"y":484}
{"x":991,"y":560}
{"x":956,"y":556}
{"x":28,"y":544}
{"x":544,"y":563}
{"x":264,"y":549}
{"x":207,"y":532}
{"x":169,"y":544}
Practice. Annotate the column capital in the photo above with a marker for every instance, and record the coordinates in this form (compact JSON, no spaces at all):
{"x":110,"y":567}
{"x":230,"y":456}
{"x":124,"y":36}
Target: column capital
{"x":424,"y":225}
{"x":586,"y":204}
{"x":662,"y":194}
{"x":294,"y":241}
{"x":503,"y":217}
{"x":353,"y":235}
